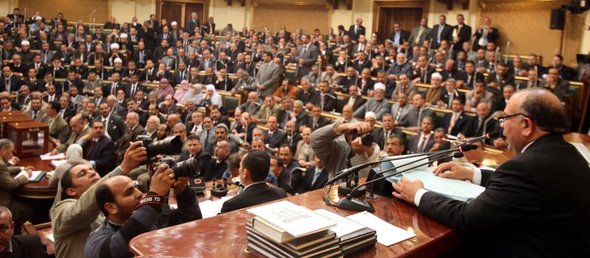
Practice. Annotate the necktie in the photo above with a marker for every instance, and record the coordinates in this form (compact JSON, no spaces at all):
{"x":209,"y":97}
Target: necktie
{"x":133,"y":90}
{"x":207,"y":139}
{"x":35,"y":115}
{"x":114,"y":89}
{"x":90,"y":149}
{"x":479,"y":124}
{"x":141,"y":56}
{"x":315,"y":176}
{"x":422,"y":144}
{"x":453,"y":121}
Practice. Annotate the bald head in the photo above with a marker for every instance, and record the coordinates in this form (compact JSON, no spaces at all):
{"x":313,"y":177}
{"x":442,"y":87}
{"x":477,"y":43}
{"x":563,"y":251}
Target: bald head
{"x":544,"y":108}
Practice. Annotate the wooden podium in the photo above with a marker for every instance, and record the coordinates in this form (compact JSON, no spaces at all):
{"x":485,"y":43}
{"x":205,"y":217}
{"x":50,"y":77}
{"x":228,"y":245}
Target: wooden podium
{"x":11,"y":117}
{"x":30,"y":138}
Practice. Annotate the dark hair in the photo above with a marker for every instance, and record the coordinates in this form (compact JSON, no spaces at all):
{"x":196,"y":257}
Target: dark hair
{"x":55,"y":105}
{"x":233,"y":162}
{"x":548,"y":117}
{"x":268,"y":53}
{"x":66,"y":179}
{"x":103,"y":195}
{"x":193,"y":137}
{"x":257,"y":163}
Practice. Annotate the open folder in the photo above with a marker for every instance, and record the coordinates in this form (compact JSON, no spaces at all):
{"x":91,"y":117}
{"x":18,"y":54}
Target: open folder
{"x":452,"y":188}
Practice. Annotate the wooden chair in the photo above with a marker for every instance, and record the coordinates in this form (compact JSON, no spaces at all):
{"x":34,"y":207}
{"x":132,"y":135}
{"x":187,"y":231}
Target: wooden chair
{"x":42,"y":230}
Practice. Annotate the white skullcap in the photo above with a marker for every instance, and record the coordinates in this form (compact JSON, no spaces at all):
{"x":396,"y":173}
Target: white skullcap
{"x":114,"y":45}
{"x":437,"y":75}
{"x":25,"y":42}
{"x":123,"y":35}
{"x":173,"y":23}
{"x":118,"y":60}
{"x":211,"y":87}
{"x":38,"y":18}
{"x":379,"y":86}
{"x":370,"y":114}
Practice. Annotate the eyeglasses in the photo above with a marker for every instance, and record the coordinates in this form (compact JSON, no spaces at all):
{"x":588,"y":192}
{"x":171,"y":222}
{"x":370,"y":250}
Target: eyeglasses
{"x":505,"y":117}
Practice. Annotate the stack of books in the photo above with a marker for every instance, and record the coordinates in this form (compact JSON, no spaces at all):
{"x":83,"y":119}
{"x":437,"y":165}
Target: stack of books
{"x":284,"y":229}
{"x":352,"y":236}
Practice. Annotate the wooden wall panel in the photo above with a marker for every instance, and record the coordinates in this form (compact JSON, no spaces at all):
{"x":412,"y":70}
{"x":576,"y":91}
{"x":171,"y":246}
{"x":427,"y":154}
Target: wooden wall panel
{"x":293,"y":16}
{"x":526,"y":25}
{"x":73,"y":10}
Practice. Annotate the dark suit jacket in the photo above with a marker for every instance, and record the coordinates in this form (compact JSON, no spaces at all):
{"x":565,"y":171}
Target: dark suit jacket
{"x":204,"y":161}
{"x":116,"y":126}
{"x":527,"y":209}
{"x":471,"y":130}
{"x":353,"y":35}
{"x":253,"y":195}
{"x":464,"y":35}
{"x":29,"y":246}
{"x":358,"y":102}
{"x":321,"y":122}
{"x":415,"y":140}
{"x":103,"y":154}
{"x":492,"y":37}
{"x":307,"y":185}
{"x":460,"y":124}
{"x":446,"y":34}
{"x":404,"y":36}
{"x":277,"y":139}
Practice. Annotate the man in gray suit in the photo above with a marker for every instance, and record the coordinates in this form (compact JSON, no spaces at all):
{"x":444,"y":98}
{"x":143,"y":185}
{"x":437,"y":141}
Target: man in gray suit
{"x":377,"y":104}
{"x":419,"y":33}
{"x":308,"y":54}
{"x":400,"y":110}
{"x":416,"y":114}
{"x":58,"y":127}
{"x":268,"y":76}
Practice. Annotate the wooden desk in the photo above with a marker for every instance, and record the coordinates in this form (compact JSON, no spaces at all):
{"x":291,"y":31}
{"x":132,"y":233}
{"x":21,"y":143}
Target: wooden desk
{"x":225,"y":235}
{"x":39,"y":190}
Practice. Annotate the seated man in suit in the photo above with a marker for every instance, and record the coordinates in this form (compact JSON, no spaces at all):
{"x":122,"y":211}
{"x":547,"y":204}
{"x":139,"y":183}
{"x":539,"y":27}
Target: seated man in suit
{"x":483,"y":123}
{"x":98,"y":149}
{"x":526,"y":208}
{"x":19,"y":245}
{"x":58,"y":127}
{"x":36,"y":112}
{"x":194,"y":150}
{"x":394,"y":146}
{"x":289,"y":165}
{"x":131,"y":132}
{"x":128,"y":213}
{"x":22,"y":211}
{"x":303,"y":152}
{"x":315,"y":177}
{"x":316,"y":120}
{"x":401,"y":109}
{"x":557,"y":85}
{"x":273,"y":137}
{"x":354,"y":99}
{"x":423,"y":141}
{"x":456,"y":121}
{"x":419,"y":111}
{"x":254,"y":169}
{"x":79,"y":128}
{"x":218,"y":164}
{"x":380,"y":135}
{"x":477,"y":95}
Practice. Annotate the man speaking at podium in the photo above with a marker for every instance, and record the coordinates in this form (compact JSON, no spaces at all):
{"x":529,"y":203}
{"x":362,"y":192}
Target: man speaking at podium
{"x":535,"y":205}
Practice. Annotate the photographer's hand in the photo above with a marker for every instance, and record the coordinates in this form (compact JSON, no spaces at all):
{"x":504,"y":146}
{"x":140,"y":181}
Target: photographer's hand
{"x":162,"y":180}
{"x":180,"y":185}
{"x":361,"y":127}
{"x":134,"y":155}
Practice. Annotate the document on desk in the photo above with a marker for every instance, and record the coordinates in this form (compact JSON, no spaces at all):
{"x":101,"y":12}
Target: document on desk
{"x":56,"y":163}
{"x":452,"y":188}
{"x":211,"y":208}
{"x":387,"y":234}
{"x":52,"y":157}
{"x":36,"y":176}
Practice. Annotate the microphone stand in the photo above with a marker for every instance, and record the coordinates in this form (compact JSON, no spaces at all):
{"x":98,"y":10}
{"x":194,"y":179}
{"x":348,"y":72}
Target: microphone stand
{"x":358,"y":204}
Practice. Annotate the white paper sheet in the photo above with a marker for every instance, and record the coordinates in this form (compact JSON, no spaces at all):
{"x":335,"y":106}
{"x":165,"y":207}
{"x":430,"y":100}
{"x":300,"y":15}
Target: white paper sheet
{"x":387,"y":234}
{"x":48,"y":156}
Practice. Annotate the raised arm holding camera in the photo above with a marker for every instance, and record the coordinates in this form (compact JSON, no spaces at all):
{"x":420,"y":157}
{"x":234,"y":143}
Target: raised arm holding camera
{"x":336,"y":153}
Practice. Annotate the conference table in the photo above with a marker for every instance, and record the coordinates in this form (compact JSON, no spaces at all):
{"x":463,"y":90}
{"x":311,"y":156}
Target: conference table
{"x":36,"y":190}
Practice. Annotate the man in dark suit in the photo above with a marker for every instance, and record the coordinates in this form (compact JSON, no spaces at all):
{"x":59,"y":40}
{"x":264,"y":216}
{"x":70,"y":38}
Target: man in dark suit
{"x":273,"y":137}
{"x":526,"y":209}
{"x":115,"y":127}
{"x":423,"y":141}
{"x":399,"y":36}
{"x":457,"y":120}
{"x":253,"y":172}
{"x":208,"y":27}
{"x":9,"y":82}
{"x":461,"y":33}
{"x":380,"y":135}
{"x":356,"y":30}
{"x":307,"y":54}
{"x":218,"y":164}
{"x":133,"y":130}
{"x":353,"y":98}
{"x":441,"y":31}
{"x":19,"y":245}
{"x":316,"y":120}
{"x":315,"y":177}
{"x":193,"y":23}
{"x":99,"y":149}
{"x":486,"y":33}
{"x":419,"y":33}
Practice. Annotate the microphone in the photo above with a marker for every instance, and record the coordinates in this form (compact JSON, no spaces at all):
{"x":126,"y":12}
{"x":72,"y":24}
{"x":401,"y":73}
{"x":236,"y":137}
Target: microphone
{"x":347,"y":171}
{"x":486,"y":136}
{"x":360,"y":204}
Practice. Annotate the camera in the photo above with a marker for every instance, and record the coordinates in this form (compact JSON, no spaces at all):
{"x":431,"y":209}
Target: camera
{"x":366,"y":139}
{"x":168,"y":146}
{"x":186,"y":168}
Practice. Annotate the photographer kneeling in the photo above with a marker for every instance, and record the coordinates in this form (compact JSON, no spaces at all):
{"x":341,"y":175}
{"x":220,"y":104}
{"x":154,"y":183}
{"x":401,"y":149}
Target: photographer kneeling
{"x":337,"y":153}
{"x":129,"y":213}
